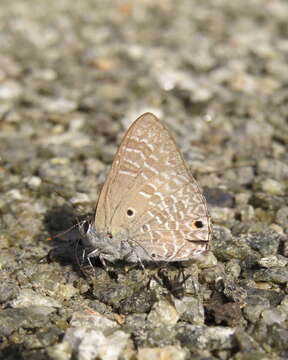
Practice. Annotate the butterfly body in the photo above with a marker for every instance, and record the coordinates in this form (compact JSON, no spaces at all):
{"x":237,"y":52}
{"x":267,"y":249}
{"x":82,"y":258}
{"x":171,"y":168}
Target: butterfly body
{"x":150,"y":207}
{"x":112,"y":248}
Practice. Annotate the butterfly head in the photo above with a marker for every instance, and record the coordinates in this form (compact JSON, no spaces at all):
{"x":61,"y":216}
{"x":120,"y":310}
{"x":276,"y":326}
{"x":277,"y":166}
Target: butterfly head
{"x":105,"y":244}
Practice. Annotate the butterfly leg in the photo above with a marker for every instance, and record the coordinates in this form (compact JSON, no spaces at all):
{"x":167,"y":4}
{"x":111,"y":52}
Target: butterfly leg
{"x":83,"y":257}
{"x":132,"y":256}
{"x":90,"y":255}
{"x":103,"y":262}
{"x":141,"y":264}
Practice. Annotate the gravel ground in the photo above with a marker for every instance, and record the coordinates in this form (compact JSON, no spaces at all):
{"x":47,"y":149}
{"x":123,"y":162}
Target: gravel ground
{"x":73,"y":75}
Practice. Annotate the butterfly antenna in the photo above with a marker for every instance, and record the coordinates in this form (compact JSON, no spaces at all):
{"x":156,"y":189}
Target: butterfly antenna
{"x":63,"y":232}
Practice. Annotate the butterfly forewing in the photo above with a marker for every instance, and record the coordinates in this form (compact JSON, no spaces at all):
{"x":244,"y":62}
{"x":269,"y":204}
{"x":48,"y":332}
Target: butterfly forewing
{"x":151,"y":198}
{"x":128,"y":163}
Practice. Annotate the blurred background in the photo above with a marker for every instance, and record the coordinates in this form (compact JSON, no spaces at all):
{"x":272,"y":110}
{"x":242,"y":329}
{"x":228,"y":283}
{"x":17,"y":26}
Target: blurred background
{"x":73,"y":76}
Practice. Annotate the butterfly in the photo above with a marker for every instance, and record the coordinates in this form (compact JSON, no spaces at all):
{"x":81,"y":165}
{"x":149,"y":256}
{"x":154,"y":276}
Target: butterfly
{"x":150,"y":207}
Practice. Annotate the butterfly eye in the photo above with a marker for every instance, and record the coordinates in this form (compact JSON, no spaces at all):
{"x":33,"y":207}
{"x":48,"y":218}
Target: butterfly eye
{"x":197,"y":224}
{"x":130,"y":212}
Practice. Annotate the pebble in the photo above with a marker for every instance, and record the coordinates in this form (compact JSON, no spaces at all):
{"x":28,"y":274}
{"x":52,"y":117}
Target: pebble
{"x":205,"y":338}
{"x":10,"y":89}
{"x":29,"y":297}
{"x":190,"y":309}
{"x":88,"y":343}
{"x":273,"y":261}
{"x":163,"y":313}
{"x":163,"y":353}
{"x":273,"y":187}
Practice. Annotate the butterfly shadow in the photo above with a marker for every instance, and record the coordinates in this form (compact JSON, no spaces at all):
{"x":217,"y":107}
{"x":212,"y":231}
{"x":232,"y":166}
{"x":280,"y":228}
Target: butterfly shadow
{"x":62,"y":225}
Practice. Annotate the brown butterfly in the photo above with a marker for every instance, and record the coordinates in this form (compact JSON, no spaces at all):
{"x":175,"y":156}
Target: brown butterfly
{"x":150,"y":207}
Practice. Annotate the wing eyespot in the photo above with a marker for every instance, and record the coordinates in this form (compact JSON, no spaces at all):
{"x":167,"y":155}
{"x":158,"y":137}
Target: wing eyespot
{"x":130,"y":212}
{"x":197,"y":224}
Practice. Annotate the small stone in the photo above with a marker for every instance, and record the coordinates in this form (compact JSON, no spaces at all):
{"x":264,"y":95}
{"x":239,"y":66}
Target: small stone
{"x":282,"y":216}
{"x":278,"y":337}
{"x":190,"y":309}
{"x":89,"y":344}
{"x":164,"y":313}
{"x":233,"y":268}
{"x":94,"y":166}
{"x":8,"y":291}
{"x":108,"y":153}
{"x":61,"y":106}
{"x":205,"y":338}
{"x":30,"y":317}
{"x":273,"y":261}
{"x":267,"y":243}
{"x":50,"y":284}
{"x":246,"y":343}
{"x":275,"y":275}
{"x":242,"y":199}
{"x":43,"y":337}
{"x":272,"y":316}
{"x":264,"y":201}
{"x":67,"y":291}
{"x":207,"y":260}
{"x":60,"y":351}
{"x":225,"y":314}
{"x":222,"y":215}
{"x":90,"y":318}
{"x":225,"y":247}
{"x":33,"y":182}
{"x":273,"y":187}
{"x":163,"y":353}
{"x":6,"y":258}
{"x":233,"y":291}
{"x":256,"y":295}
{"x":138,"y":302}
{"x":80,"y":198}
{"x":10,"y":89}
{"x":210,"y":275}
{"x":219,"y":198}
{"x":5,"y":242}
{"x":255,"y":306}
{"x":14,"y":194}
{"x":274,"y":168}
{"x":29,"y":297}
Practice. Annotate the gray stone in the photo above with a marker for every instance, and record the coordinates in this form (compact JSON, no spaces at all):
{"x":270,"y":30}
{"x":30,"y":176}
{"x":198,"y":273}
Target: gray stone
{"x":275,"y":275}
{"x":165,"y":353}
{"x":60,"y":351}
{"x":190,"y":309}
{"x":163,"y":313}
{"x":28,"y":297}
{"x":31,"y":317}
{"x":88,"y":343}
{"x":202,"y":337}
{"x":273,"y":187}
{"x":8,"y":290}
{"x":273,"y":261}
{"x":267,"y":243}
{"x":226,"y":247}
{"x":91,"y":319}
{"x":254,"y":308}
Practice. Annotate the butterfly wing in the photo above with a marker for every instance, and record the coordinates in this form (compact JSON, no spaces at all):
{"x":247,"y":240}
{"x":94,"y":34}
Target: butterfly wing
{"x":150,"y":197}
